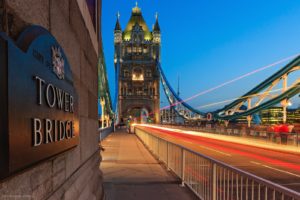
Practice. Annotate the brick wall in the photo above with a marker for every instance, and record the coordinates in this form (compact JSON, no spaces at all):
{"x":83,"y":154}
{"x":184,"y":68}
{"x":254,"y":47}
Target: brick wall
{"x":74,"y":174}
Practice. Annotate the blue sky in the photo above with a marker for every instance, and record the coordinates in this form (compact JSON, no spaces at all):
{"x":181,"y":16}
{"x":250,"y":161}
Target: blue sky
{"x":208,"y":42}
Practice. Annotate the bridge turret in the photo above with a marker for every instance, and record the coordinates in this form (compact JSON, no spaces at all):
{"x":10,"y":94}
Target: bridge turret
{"x":118,"y":31}
{"x":156,"y":31}
{"x":156,"y":38}
{"x":118,"y":40}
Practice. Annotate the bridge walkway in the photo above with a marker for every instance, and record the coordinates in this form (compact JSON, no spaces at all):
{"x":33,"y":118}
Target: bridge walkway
{"x":131,"y":172}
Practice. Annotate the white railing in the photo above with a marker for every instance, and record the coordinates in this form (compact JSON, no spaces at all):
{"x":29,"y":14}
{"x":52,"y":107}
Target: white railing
{"x":210,"y":179}
{"x":104,"y":132}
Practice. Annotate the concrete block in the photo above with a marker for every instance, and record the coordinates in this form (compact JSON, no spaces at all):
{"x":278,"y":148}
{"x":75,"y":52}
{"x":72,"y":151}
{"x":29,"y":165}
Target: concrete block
{"x":42,"y":191}
{"x":88,"y":173}
{"x":72,"y":161}
{"x":93,"y":106}
{"x":83,"y":101}
{"x":22,"y":181}
{"x":30,"y":10}
{"x":64,"y":7}
{"x":94,"y":135}
{"x":78,"y":25}
{"x":41,"y":174}
{"x":86,"y":147}
{"x":71,"y":194}
{"x":63,"y":32}
{"x":86,"y":72}
{"x":41,"y":180}
{"x":59,"y":171}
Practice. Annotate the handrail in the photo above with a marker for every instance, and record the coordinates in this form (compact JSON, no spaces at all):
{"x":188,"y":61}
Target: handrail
{"x":218,"y":178}
{"x":104,"y":132}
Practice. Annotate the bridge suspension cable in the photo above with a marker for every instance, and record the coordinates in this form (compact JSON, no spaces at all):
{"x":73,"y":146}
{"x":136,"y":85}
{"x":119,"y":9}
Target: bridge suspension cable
{"x":234,"y":80}
{"x":233,"y":110}
{"x":233,"y":99}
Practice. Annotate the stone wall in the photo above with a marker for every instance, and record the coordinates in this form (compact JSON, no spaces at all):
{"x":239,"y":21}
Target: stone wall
{"x":74,"y":174}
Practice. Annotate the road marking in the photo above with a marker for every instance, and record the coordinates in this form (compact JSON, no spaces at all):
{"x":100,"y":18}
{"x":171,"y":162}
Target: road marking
{"x":207,"y":148}
{"x":255,"y":162}
{"x":282,"y":171}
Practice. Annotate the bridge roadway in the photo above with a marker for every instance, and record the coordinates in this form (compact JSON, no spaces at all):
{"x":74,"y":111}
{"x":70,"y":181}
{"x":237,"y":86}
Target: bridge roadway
{"x":281,"y":167}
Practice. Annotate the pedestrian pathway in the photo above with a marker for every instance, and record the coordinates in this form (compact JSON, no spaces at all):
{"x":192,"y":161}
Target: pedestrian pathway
{"x":131,"y":172}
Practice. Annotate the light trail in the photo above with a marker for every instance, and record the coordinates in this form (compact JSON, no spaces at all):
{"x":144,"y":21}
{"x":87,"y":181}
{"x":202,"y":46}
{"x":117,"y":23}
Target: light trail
{"x":235,"y":148}
{"x":229,"y":100}
{"x":232,"y":81}
{"x":227,"y":138}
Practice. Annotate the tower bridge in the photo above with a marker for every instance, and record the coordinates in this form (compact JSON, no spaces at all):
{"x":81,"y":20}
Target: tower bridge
{"x":236,"y":162}
{"x":51,"y":146}
{"x":137,"y":50}
{"x":139,"y":74}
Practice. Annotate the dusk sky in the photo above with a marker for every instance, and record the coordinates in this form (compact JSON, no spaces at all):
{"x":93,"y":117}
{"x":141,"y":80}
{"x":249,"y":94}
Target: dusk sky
{"x":208,"y":43}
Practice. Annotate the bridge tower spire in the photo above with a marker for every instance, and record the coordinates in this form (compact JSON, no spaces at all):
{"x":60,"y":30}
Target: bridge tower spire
{"x":137,"y":50}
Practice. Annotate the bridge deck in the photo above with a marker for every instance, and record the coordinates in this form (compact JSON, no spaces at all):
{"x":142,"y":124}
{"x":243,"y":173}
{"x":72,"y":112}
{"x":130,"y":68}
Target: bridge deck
{"x":131,"y":172}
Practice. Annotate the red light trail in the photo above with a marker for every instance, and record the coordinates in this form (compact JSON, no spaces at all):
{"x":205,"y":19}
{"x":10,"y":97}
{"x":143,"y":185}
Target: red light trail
{"x":231,"y":81}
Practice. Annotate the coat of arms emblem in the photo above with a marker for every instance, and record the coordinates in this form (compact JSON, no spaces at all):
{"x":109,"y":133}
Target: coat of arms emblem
{"x":58,"y":62}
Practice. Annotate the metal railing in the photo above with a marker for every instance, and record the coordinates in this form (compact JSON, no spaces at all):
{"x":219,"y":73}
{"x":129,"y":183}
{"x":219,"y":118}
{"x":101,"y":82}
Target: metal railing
{"x":210,"y":179}
{"x":103,"y":133}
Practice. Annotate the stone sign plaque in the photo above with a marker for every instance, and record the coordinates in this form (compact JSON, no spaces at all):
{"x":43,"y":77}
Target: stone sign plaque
{"x":38,"y":102}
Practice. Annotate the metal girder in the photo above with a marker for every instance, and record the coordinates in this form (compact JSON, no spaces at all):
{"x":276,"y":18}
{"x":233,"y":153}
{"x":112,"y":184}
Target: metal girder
{"x":262,"y":92}
{"x":182,"y":108}
{"x":103,"y":87}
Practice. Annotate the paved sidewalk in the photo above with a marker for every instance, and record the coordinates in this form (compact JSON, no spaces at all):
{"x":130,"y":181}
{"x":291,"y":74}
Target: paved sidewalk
{"x":131,"y":172}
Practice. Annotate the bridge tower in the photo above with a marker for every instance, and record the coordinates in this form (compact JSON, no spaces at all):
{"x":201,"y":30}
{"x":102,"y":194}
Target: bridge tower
{"x":137,"y":49}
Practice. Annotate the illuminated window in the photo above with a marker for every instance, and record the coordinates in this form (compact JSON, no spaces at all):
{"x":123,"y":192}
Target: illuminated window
{"x":137,"y":77}
{"x":145,"y":50}
{"x":139,"y":50}
{"x":134,"y":49}
{"x":137,"y":74}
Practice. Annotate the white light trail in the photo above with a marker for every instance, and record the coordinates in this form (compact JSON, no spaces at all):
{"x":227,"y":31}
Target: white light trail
{"x":232,"y":81}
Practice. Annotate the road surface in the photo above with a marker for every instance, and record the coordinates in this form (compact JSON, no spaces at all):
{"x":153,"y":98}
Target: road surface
{"x":275,"y":165}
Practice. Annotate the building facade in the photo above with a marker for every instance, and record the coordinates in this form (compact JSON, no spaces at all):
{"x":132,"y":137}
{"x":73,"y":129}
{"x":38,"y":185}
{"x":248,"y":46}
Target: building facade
{"x":74,"y":173}
{"x":169,"y":116}
{"x":137,"y":50}
{"x":274,"y":115}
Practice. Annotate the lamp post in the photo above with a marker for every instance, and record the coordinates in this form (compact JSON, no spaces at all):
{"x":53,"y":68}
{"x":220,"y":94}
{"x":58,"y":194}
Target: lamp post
{"x":102,"y":102}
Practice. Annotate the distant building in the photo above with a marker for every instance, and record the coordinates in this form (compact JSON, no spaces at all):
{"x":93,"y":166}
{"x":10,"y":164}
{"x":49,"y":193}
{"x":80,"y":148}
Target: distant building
{"x":169,"y":116}
{"x":274,"y":115}
{"x":293,"y":116}
{"x":137,"y":50}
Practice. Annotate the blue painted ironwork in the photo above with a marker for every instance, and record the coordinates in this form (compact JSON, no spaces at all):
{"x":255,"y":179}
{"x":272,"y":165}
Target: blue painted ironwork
{"x":182,"y":108}
{"x":103,"y":87}
{"x":233,"y":110}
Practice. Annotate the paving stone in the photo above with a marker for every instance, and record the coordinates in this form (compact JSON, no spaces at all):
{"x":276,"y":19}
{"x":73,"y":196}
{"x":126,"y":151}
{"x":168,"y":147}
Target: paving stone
{"x":131,"y":172}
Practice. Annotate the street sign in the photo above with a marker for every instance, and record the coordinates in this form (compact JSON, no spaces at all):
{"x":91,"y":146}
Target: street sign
{"x":38,"y":101}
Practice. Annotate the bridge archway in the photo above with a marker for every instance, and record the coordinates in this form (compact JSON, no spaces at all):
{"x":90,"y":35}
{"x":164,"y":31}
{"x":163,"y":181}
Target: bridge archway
{"x":139,"y":114}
